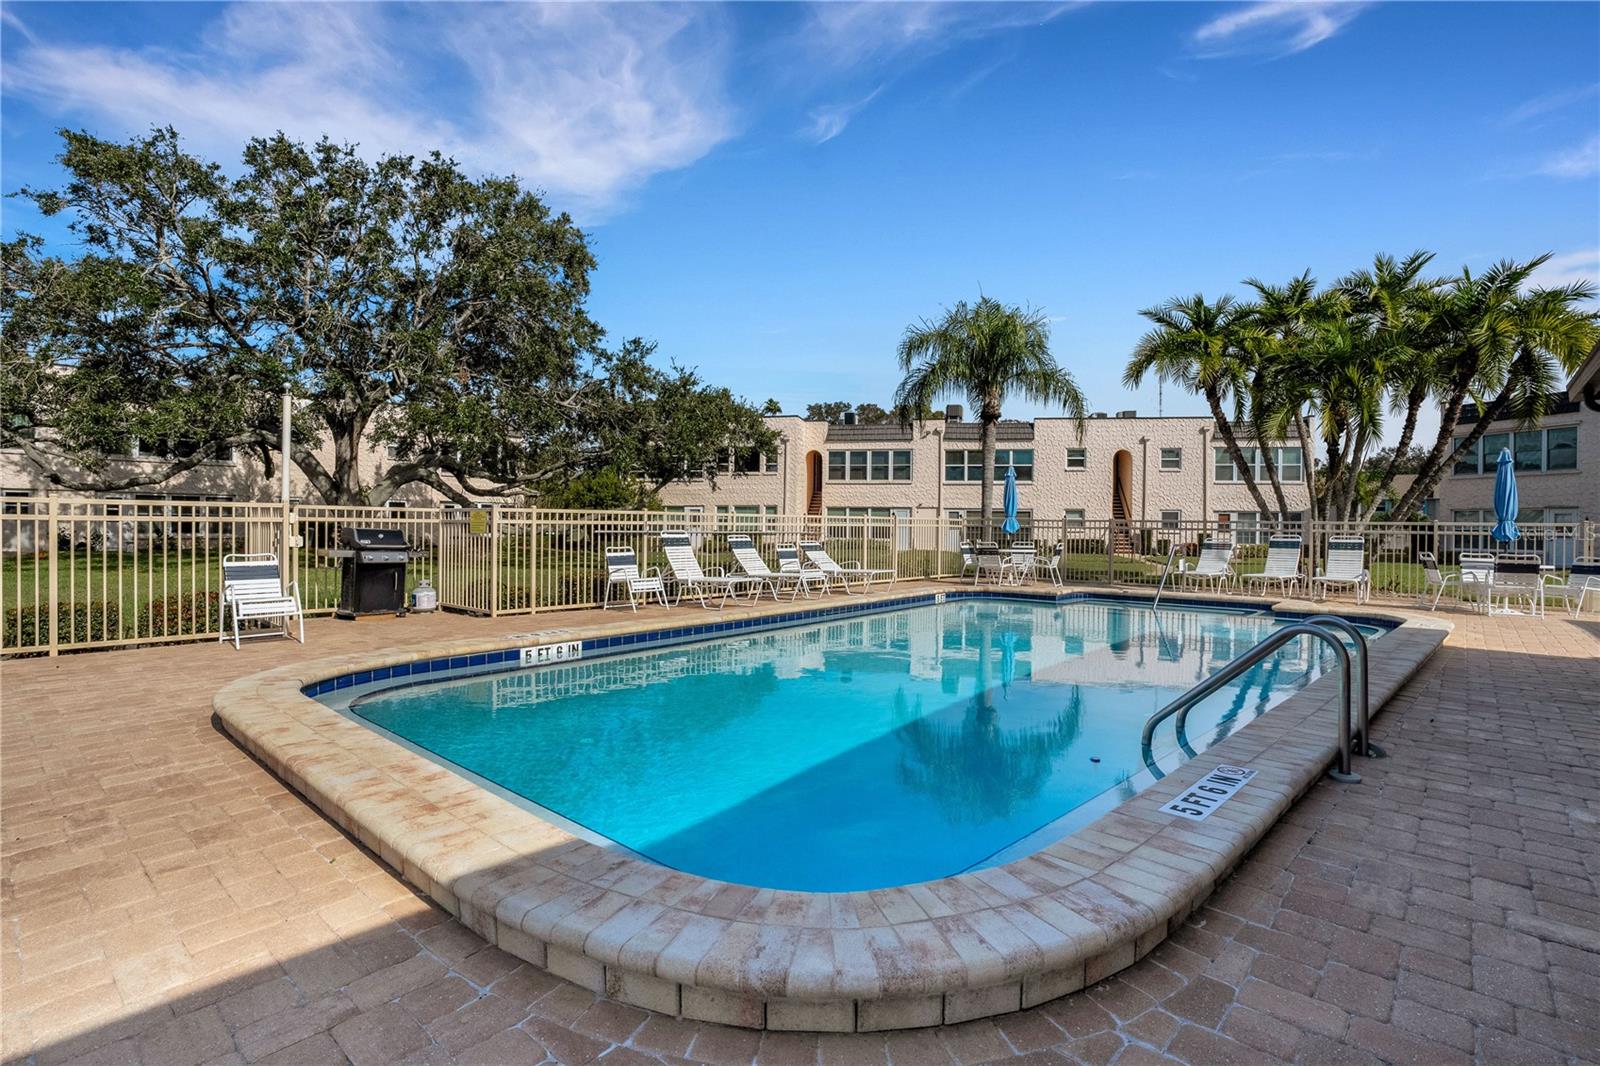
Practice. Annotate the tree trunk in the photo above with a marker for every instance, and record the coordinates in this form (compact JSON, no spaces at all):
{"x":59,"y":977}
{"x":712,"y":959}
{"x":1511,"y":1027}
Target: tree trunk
{"x":989,"y":419}
{"x":1414,"y":401}
{"x":1433,"y":466}
{"x":1229,"y":441}
{"x":1429,"y":476}
{"x":1308,"y":462}
{"x":1271,"y":462}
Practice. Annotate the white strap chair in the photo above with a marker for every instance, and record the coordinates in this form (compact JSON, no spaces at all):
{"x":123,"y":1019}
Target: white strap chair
{"x":253,"y":589}
{"x":622,"y":568}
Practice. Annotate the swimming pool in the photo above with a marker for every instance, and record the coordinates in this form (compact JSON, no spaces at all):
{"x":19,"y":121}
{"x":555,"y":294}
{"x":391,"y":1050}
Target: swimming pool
{"x":873,"y":750}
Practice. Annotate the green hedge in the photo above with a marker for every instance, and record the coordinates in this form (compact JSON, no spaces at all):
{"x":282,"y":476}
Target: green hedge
{"x":92,"y":622}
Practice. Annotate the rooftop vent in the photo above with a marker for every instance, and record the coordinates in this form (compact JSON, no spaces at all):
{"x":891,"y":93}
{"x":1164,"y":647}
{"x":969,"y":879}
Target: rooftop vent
{"x":953,"y":412}
{"x":1127,"y":414}
{"x":848,"y":418}
{"x":1098,"y":414}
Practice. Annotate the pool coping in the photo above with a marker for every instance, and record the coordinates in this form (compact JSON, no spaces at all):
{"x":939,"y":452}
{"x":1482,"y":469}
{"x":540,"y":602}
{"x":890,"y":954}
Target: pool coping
{"x":972,"y":945}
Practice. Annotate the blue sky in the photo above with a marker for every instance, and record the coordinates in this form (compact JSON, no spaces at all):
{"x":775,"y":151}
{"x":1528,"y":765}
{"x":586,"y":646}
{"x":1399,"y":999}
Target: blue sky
{"x":774,"y":191}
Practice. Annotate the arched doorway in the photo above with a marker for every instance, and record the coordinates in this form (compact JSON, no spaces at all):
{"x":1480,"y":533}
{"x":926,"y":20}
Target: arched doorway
{"x":813,"y":482}
{"x":1121,"y":499}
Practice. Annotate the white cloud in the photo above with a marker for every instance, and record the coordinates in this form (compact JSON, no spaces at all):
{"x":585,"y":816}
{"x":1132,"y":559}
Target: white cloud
{"x":1580,"y":161}
{"x":1274,"y":27}
{"x":1568,"y":268}
{"x":585,"y":101}
{"x":838,"y":38}
{"x":1549,"y":102}
{"x":827,"y":122}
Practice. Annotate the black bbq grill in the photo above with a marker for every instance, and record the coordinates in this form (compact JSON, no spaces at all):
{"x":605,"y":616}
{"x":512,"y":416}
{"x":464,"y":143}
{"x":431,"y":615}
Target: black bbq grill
{"x":373,"y":574}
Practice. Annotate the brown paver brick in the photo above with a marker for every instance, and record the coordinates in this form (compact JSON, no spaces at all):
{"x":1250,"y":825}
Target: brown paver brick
{"x":1444,"y":908}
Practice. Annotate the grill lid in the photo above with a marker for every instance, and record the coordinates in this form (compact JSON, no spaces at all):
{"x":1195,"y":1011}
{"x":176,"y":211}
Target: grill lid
{"x":362,"y":537}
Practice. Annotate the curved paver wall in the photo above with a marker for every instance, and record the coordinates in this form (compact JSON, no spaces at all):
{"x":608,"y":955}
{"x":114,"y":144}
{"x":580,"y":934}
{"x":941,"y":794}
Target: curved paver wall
{"x":975,"y":944}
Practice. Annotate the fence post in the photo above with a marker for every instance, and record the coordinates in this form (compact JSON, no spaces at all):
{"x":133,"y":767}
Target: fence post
{"x":1111,"y":551}
{"x":53,"y":568}
{"x":494,"y":560}
{"x":533,"y":560}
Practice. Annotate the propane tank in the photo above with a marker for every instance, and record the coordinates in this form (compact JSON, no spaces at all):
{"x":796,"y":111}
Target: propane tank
{"x":424,"y":597}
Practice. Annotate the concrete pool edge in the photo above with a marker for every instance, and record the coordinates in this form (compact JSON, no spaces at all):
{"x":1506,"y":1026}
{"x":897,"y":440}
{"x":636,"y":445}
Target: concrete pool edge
{"x":967,"y":946}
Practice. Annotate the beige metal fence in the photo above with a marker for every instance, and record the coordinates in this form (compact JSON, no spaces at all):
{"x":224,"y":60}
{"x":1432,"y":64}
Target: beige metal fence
{"x":82,"y":573}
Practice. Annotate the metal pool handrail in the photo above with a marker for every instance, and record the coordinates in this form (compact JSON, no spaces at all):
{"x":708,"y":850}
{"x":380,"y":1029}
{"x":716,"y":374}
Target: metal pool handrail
{"x":1182,"y":705}
{"x":1363,"y":745}
{"x":1165,"y":573}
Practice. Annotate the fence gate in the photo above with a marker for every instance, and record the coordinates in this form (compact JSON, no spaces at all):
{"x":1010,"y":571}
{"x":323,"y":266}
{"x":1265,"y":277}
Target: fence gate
{"x":468,"y":578}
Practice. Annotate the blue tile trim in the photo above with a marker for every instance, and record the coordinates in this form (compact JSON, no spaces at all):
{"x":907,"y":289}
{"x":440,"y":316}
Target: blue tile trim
{"x":593,"y":646}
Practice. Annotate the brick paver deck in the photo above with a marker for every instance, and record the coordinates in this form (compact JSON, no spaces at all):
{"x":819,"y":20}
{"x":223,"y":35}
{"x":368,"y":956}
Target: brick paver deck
{"x":168,"y":901}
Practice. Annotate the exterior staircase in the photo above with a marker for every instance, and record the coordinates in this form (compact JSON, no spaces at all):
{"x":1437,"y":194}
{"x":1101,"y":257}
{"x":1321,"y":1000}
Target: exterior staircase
{"x":1121,"y":538}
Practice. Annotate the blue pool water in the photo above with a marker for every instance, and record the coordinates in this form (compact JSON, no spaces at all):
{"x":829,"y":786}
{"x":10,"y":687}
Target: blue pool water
{"x":877,"y":750}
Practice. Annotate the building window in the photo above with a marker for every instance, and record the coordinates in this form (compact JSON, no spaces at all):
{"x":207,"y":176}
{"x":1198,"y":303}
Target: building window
{"x":869,"y":466}
{"x":1073,"y":518}
{"x":1077,"y":458}
{"x":1290,"y":462}
{"x":771,"y":466}
{"x":1171,"y":519}
{"x":967,"y":464}
{"x":747,"y":461}
{"x":1172,"y":458}
{"x":1532,"y":451}
{"x":1250,"y":527}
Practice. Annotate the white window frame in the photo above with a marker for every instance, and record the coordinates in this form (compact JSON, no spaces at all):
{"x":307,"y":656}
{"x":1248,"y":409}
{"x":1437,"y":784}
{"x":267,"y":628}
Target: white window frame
{"x":1077,"y":459}
{"x":1176,"y":457}
{"x":863,"y":459}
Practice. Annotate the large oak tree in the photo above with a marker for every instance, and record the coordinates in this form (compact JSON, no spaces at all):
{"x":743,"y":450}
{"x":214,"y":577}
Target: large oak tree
{"x":401,"y":301}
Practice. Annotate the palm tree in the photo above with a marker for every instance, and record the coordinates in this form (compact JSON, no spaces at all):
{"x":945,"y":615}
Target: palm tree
{"x":1393,"y":305}
{"x":986,"y":352}
{"x":1500,"y":340}
{"x":1204,"y":347}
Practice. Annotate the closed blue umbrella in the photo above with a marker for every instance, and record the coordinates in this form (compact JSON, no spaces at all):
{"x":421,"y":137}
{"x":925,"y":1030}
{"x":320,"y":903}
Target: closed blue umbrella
{"x":1012,"y":525}
{"x":1505,"y":499}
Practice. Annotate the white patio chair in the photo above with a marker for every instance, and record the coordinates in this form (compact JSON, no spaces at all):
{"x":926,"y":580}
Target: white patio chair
{"x":969,"y":558}
{"x":1214,"y":567}
{"x":1023,"y":553}
{"x":1477,"y":578}
{"x":818,"y":557}
{"x":1435,"y":580}
{"x":750,"y":561}
{"x":791,"y":568}
{"x":1346,"y":567}
{"x":253,"y":589}
{"x":1282,"y":566}
{"x":1582,"y":579}
{"x":1050,"y":565}
{"x":692,"y":580}
{"x":1518,"y":580}
{"x":994,"y":563}
{"x":622,"y":568}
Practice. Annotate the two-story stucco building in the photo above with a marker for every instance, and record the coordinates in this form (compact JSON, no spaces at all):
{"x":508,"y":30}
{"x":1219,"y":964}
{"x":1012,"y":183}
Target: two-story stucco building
{"x":1160,"y":471}
{"x":1557,"y":461}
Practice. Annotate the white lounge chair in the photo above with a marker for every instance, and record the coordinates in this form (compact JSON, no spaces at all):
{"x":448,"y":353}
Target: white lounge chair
{"x":692,"y":580}
{"x":818,"y":557}
{"x":750,"y":561}
{"x":1435,"y":580}
{"x":791,"y":567}
{"x":969,"y":558}
{"x":1214,"y":567}
{"x":1582,"y":579}
{"x":622,"y":568}
{"x":252,"y":589}
{"x":1346,"y":568}
{"x":1282,"y":566}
